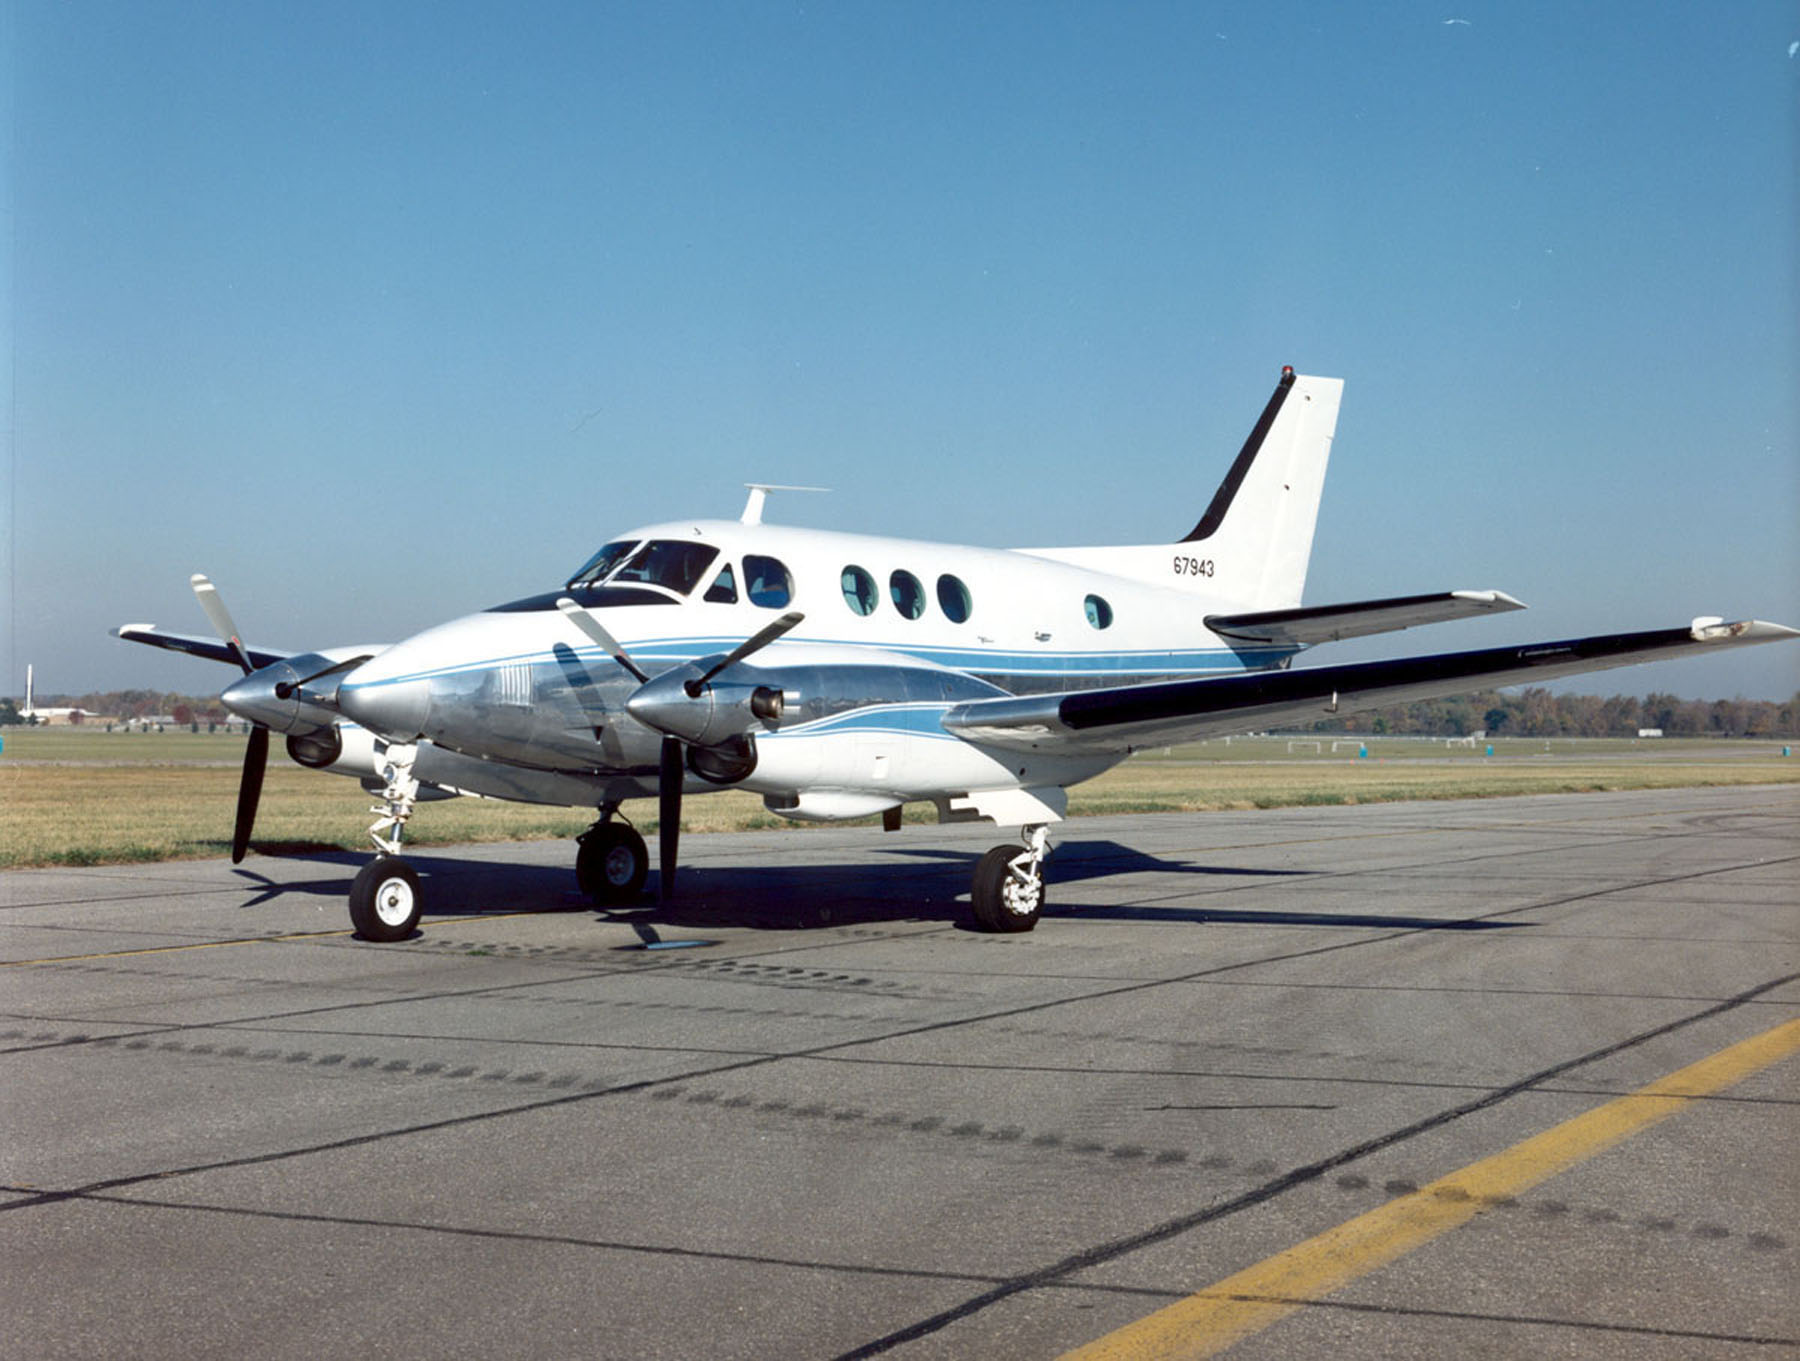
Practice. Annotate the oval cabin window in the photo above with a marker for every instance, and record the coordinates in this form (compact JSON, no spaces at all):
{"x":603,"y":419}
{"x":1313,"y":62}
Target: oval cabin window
{"x":953,"y":599}
{"x":859,"y":590}
{"x":908,"y":594}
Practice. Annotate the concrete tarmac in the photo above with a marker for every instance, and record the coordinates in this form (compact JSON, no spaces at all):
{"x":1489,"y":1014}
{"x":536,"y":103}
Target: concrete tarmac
{"x":807,"y":1111}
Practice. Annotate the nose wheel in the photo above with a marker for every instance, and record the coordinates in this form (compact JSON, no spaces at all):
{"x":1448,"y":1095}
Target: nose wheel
{"x":385,"y":901}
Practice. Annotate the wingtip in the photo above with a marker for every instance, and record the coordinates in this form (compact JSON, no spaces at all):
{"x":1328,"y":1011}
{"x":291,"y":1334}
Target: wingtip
{"x":1493,"y":600}
{"x":1714,"y":629}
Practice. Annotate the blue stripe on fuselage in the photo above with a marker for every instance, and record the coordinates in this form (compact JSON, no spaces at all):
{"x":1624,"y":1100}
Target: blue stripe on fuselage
{"x":1121,"y":668}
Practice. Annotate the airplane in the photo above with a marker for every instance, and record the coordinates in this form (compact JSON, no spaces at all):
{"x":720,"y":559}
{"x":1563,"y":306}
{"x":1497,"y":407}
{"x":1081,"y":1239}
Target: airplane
{"x":845,"y":675}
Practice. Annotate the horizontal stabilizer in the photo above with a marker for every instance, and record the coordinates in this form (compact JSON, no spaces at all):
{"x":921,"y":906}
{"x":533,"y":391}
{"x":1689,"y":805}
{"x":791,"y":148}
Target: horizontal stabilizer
{"x":1131,"y":717}
{"x":1304,"y":626}
{"x":213,"y":649}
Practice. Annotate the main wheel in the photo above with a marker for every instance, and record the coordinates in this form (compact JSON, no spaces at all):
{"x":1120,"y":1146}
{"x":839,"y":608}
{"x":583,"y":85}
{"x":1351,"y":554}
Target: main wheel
{"x":385,"y":901}
{"x":1003,"y":901}
{"x":612,"y":863}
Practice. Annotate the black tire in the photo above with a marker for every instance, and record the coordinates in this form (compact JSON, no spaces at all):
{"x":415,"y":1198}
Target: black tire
{"x":1001,"y":902}
{"x":612,"y":863}
{"x":385,"y":900}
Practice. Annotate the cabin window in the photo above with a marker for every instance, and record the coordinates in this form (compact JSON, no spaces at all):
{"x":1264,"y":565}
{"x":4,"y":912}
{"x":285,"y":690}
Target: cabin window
{"x":1099,"y":613}
{"x":953,"y":599}
{"x":596,"y":567}
{"x":723,"y":591}
{"x":673,"y":564}
{"x":859,"y":590}
{"x":908,"y":595}
{"x":771,"y":584}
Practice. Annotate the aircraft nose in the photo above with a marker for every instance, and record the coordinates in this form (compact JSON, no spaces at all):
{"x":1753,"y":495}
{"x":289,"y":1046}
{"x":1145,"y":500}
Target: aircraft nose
{"x":392,"y":708}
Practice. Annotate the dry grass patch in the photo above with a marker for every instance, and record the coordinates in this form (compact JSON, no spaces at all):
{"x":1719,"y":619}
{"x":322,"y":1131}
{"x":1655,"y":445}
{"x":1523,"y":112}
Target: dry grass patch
{"x":88,"y":799}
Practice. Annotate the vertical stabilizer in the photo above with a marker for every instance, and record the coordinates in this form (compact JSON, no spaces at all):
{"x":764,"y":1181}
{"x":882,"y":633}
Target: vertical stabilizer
{"x":1251,"y":545}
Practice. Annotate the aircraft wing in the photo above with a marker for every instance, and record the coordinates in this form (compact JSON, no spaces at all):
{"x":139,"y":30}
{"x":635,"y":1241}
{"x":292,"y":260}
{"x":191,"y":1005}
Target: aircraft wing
{"x":1306,"y":625}
{"x":211,"y":648}
{"x":1131,"y":717}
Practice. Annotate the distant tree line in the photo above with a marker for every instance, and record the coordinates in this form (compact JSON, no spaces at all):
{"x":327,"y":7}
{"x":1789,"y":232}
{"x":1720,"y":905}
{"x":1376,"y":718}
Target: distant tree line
{"x":1535,"y":712}
{"x":140,"y":704}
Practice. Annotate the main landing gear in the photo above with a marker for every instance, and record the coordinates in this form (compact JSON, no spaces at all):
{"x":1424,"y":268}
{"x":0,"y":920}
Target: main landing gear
{"x":1008,"y":891}
{"x":613,"y":860}
{"x":385,"y":901}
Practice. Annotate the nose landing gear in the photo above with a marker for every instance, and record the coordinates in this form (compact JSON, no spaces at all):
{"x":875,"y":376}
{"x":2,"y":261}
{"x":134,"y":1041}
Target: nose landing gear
{"x":385,"y":900}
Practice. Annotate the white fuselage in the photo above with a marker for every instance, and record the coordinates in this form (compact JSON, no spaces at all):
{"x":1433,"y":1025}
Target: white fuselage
{"x":895,"y":632}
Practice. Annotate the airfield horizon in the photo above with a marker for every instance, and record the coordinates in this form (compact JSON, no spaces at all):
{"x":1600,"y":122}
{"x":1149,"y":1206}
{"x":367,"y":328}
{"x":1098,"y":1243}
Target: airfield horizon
{"x":81,"y":797}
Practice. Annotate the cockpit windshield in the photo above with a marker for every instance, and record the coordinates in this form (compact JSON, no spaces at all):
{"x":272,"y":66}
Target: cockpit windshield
{"x":596,"y":567}
{"x":674,"y":564}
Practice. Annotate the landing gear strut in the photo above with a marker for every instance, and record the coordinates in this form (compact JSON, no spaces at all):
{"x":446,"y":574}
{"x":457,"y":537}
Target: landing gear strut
{"x":1008,"y":891}
{"x":385,"y":900}
{"x":612,"y":862}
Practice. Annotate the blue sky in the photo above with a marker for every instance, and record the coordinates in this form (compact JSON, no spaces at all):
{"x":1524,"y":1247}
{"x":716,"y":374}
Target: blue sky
{"x":382,"y":313}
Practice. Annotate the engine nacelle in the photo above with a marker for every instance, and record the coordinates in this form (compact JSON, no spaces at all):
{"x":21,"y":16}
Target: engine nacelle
{"x":710,"y":714}
{"x":342,"y":749}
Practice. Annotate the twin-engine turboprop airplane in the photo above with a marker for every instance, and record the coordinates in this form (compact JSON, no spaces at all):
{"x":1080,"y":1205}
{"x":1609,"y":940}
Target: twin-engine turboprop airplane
{"x":844,"y":675}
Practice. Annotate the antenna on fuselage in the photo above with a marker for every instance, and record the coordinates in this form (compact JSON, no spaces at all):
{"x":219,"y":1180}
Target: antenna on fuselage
{"x":759,"y":493}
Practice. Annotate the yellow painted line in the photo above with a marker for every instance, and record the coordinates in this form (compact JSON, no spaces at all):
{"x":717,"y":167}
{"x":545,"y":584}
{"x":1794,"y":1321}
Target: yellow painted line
{"x":1226,"y":1313}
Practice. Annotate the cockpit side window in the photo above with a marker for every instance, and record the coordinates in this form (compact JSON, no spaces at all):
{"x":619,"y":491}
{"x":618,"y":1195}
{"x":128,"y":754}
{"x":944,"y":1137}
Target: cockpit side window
{"x":771,"y":585}
{"x":596,"y":567}
{"x":673,"y":564}
{"x":723,"y":591}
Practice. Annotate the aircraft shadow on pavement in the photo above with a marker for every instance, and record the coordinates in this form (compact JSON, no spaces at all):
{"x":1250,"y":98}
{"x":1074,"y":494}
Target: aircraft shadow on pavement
{"x":931,"y":884}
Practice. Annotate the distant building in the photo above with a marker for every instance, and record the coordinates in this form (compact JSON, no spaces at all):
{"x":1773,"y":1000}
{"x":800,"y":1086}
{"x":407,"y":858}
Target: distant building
{"x":57,"y":717}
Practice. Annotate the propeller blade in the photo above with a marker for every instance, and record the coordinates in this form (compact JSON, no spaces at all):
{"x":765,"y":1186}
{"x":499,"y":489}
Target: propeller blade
{"x":668,"y":830}
{"x":756,"y":643}
{"x":592,"y":627}
{"x":256,"y":757}
{"x":220,"y":618}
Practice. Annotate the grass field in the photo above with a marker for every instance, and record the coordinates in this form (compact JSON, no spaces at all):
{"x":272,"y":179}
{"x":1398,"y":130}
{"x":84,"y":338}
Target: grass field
{"x":72,"y":796}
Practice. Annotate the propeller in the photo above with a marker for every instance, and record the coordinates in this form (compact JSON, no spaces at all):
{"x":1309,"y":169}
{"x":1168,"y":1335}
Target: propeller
{"x":220,"y":618}
{"x":755,"y":643}
{"x":668,"y":815}
{"x":595,"y":630}
{"x":256,"y":751}
{"x":670,"y":767}
{"x":256,"y":759}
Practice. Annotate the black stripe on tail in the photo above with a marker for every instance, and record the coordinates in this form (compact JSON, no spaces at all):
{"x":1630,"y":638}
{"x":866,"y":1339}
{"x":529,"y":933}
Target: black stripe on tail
{"x":1240,"y":469}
